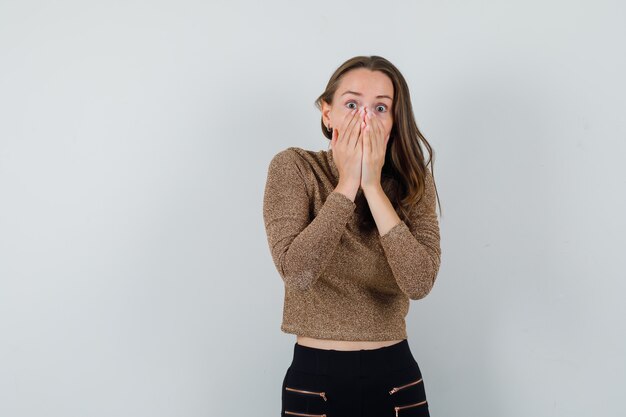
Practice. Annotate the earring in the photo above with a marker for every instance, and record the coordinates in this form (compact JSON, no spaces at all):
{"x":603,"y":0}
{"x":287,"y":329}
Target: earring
{"x":329,"y":128}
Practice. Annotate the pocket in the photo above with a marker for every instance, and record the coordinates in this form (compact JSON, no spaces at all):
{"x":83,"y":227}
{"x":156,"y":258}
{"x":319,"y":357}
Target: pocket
{"x":407,"y":393}
{"x":304,"y":394}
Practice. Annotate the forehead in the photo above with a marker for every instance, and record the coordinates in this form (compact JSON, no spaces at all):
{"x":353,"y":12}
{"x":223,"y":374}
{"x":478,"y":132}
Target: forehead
{"x":368,"y":83}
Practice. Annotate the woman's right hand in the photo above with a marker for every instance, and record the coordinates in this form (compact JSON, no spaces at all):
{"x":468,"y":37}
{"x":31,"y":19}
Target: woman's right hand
{"x":347,"y":147}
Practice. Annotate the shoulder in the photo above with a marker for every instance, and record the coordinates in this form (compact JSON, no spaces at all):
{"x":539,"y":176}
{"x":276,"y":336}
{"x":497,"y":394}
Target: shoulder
{"x":294,"y":157}
{"x":291,"y":153}
{"x":289,"y":162}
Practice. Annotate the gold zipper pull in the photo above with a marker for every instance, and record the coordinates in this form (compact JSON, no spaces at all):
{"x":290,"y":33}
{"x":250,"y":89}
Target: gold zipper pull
{"x":396,"y":389}
{"x":321,"y":394}
{"x":408,"y":406}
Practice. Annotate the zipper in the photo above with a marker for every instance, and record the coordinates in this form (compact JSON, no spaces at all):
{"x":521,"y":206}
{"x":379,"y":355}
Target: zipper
{"x":396,"y":389}
{"x":407,"y":406}
{"x":321,"y":394}
{"x":303,"y":414}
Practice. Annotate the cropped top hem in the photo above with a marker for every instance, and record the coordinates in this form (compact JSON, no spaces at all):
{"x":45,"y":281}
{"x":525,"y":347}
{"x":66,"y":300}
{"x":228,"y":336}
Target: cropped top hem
{"x":343,"y":335}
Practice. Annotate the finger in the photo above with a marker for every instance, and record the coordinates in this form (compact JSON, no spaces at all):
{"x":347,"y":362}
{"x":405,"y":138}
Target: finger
{"x":371,"y":131}
{"x":349,"y":122}
{"x":358,"y":135}
{"x":374,"y":122}
{"x":367,"y":138}
{"x":355,"y":129}
{"x":377,"y":128}
{"x":343,"y":128}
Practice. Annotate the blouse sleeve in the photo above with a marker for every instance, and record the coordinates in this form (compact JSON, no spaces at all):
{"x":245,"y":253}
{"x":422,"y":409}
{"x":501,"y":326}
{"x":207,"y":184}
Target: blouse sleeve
{"x":301,"y":247}
{"x":413,"y":251}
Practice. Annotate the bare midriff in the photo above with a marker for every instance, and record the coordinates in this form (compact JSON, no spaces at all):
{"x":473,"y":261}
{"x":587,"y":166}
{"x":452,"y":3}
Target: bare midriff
{"x":344,"y":344}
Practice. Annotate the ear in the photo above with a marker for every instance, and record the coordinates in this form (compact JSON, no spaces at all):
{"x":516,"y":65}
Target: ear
{"x":326,"y":108}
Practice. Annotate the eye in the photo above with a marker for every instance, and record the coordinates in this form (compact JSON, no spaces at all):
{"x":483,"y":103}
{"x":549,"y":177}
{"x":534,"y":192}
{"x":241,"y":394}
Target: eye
{"x":351,"y":102}
{"x":383,"y":106}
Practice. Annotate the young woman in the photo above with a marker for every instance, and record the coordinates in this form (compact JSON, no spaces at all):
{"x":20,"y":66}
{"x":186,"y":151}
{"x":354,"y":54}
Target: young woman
{"x":354,"y":235}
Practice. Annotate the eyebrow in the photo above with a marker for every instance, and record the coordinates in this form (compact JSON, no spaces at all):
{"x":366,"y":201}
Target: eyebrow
{"x":359,"y":94}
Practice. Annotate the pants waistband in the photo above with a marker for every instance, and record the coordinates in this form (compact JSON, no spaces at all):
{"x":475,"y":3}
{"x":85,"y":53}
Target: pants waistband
{"x":352,"y":362}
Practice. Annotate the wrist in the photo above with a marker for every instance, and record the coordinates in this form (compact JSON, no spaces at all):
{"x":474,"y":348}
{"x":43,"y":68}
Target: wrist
{"x":372,"y":189}
{"x":347,"y":189}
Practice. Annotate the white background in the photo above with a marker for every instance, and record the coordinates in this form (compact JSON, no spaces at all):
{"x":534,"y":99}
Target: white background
{"x":135,"y":136}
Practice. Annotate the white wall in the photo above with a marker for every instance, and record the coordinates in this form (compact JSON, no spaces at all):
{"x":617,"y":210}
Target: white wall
{"x":135,"y":277}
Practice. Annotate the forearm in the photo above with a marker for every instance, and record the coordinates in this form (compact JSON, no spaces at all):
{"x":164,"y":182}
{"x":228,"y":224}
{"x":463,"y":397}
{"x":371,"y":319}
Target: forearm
{"x":414,"y":262}
{"x":382,"y":210}
{"x":301,"y":261}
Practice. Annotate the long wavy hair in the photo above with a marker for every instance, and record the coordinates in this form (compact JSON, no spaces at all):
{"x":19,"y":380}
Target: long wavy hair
{"x":405,"y":168}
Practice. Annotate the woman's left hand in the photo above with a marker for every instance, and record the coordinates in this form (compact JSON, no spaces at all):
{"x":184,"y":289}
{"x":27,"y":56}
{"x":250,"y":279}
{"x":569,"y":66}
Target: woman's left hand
{"x":374,"y":148}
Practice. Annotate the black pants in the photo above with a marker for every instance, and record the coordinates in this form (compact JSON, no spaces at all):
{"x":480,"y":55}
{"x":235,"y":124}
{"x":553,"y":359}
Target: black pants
{"x":383,"y":382}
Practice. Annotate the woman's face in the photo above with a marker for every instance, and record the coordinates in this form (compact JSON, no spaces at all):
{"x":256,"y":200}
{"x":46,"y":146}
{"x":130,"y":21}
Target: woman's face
{"x":361,"y":87}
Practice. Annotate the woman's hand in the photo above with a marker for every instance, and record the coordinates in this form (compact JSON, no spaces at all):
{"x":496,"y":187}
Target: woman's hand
{"x":347,"y":148}
{"x":374,"y":148}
